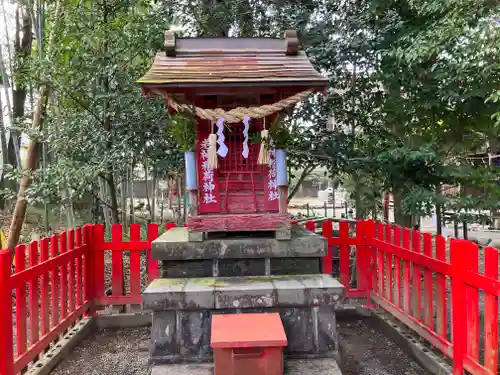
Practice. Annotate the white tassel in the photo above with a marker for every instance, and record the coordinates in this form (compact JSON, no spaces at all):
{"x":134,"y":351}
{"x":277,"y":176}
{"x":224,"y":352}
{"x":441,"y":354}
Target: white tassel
{"x":212,"y":151}
{"x":263,"y":158}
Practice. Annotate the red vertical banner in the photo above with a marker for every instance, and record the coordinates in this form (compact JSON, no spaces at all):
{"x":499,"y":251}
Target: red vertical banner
{"x":209,"y":200}
{"x":271,"y":192}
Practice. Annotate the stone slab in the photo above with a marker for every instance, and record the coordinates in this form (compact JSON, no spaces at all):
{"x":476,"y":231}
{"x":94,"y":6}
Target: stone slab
{"x":184,"y":336}
{"x":174,"y":245}
{"x":242,"y":292}
{"x":319,"y":366}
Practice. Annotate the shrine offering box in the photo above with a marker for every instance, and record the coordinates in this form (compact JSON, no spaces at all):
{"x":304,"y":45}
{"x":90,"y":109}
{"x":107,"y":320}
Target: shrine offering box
{"x":248,"y":344}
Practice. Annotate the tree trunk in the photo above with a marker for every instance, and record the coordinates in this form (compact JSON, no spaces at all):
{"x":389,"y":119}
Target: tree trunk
{"x":31,"y":161}
{"x":399,"y":217}
{"x":113,"y":198}
{"x":305,"y":173}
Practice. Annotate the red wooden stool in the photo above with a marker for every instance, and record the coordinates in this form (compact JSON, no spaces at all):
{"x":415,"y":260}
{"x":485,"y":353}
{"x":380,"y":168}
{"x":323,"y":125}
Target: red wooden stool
{"x":248,"y":344}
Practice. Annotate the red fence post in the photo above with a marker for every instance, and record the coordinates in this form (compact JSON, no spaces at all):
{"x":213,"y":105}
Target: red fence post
{"x":153,"y":270}
{"x":6,"y":344}
{"x":344,"y":255}
{"x":327,"y":260}
{"x":89,"y":273}
{"x":310,"y":225}
{"x":458,"y":250}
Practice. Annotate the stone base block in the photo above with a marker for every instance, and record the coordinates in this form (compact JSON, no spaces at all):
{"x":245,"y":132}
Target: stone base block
{"x":326,"y":366}
{"x":176,"y":244}
{"x":184,"y":336}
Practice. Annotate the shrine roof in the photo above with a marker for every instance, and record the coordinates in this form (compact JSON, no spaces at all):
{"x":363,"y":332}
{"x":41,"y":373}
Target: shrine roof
{"x":214,"y":61}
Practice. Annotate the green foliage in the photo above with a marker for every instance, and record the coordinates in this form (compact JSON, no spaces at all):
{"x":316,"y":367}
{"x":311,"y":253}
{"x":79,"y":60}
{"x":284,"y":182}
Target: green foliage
{"x":98,"y":123}
{"x":182,"y":128}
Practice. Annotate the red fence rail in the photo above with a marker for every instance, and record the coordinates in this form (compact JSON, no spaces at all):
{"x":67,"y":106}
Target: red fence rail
{"x":411,"y":275}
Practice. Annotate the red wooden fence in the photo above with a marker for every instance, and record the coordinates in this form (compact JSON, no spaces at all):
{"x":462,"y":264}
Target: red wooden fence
{"x":51,"y":294}
{"x":65,"y":279}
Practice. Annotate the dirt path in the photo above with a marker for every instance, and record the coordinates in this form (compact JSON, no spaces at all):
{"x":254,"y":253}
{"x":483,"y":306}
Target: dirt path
{"x":125,"y":352}
{"x":368,"y":352}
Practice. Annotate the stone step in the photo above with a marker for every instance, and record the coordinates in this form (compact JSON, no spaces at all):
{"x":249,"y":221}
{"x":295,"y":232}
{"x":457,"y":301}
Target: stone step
{"x":175,"y":245}
{"x":322,"y":366}
{"x":242,"y":292}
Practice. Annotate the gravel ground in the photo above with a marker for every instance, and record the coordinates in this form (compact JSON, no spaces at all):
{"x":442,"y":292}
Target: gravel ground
{"x":109,"y":352}
{"x":369,"y":352}
{"x":125,"y":352}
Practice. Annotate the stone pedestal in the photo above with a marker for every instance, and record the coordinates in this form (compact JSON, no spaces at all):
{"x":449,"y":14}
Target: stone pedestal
{"x":239,"y":274}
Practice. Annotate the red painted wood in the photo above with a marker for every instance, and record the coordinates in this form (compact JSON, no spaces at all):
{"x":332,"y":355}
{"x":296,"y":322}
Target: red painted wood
{"x":428,"y":294}
{"x":72,"y":273}
{"x":388,"y":265}
{"x":64,"y":278}
{"x":44,"y":289}
{"x":371,"y":234}
{"x":397,"y":268}
{"x":416,"y":278}
{"x":21,"y":316}
{"x":441,"y":307}
{"x":491,"y":316}
{"x":116,"y":262}
{"x":406,"y":274}
{"x":458,"y":251}
{"x":203,"y":130}
{"x":79,"y":269}
{"x":310,"y":225}
{"x":29,"y":355}
{"x":135,"y":262}
{"x":88,"y":267}
{"x":153,"y":269}
{"x":380,"y":260}
{"x":55,"y":282}
{"x":247,"y":330}
{"x":344,"y":254}
{"x":363,"y":271}
{"x":238,"y":222}
{"x":327,"y":260}
{"x":98,"y":273}
{"x":33,"y":295}
{"x":6,"y":334}
{"x":471,"y":258}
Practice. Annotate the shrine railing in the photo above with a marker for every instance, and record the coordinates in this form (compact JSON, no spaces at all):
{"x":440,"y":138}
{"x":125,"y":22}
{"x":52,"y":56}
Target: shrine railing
{"x":413,"y":276}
